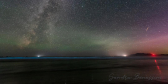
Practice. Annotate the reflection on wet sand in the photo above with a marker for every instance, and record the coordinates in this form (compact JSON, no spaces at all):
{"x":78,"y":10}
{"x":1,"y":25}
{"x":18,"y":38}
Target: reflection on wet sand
{"x":158,"y":67}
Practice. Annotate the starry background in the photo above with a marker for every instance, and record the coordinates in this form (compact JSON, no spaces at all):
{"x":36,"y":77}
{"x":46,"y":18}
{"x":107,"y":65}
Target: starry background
{"x":83,"y":27}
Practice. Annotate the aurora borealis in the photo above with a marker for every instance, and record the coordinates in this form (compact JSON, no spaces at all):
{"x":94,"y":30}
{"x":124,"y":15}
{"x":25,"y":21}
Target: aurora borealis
{"x":83,"y":27}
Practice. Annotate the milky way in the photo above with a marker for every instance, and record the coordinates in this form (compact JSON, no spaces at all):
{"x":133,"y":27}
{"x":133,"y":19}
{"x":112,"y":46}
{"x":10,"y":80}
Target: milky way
{"x":42,"y":22}
{"x":83,"y":27}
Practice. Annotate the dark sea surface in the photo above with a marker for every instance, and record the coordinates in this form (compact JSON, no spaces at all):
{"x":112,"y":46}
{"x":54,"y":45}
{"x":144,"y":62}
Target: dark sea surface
{"x":124,"y":70}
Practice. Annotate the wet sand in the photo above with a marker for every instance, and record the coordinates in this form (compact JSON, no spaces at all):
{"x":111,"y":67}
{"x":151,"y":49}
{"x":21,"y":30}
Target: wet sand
{"x":126,"y":71}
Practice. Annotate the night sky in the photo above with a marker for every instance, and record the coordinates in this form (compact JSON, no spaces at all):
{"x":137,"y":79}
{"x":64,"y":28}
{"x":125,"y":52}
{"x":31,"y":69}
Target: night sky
{"x":83,"y":27}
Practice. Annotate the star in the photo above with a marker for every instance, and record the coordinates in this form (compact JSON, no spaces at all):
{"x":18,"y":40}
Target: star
{"x":147,"y":29}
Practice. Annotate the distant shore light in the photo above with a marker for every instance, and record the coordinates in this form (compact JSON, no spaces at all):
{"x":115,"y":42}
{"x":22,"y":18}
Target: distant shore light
{"x":125,"y":55}
{"x":153,"y":54}
{"x":38,"y":55}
